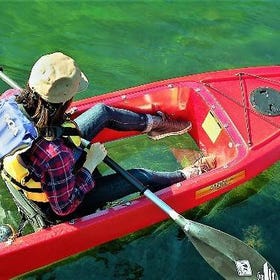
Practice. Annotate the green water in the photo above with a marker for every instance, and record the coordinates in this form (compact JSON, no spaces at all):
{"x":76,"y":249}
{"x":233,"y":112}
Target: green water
{"x":125,"y":43}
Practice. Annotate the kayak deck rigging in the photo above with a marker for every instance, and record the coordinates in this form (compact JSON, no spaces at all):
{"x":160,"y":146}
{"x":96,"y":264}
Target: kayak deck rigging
{"x":266,"y":110}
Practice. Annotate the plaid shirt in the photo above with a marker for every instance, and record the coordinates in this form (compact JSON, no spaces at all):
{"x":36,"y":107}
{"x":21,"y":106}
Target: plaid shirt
{"x":52,"y":163}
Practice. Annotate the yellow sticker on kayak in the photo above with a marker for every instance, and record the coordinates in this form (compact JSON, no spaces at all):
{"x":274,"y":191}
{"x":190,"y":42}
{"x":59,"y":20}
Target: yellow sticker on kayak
{"x":212,"y":127}
{"x":220,"y":185}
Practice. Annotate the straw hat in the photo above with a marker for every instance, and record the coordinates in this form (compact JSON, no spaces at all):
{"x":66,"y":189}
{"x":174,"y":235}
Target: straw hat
{"x":57,"y":78}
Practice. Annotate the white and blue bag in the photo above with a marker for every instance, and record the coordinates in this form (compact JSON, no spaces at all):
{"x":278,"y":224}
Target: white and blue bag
{"x":16,"y":130}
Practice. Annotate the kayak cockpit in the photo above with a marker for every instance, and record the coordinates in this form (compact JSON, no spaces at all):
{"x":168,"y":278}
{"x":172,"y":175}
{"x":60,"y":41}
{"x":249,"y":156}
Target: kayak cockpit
{"x":212,"y":129}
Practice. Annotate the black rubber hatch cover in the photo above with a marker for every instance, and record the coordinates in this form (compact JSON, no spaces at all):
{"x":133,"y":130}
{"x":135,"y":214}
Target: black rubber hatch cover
{"x":266,"y":101}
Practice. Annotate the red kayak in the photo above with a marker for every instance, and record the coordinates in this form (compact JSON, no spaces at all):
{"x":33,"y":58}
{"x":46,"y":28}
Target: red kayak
{"x":235,"y":115}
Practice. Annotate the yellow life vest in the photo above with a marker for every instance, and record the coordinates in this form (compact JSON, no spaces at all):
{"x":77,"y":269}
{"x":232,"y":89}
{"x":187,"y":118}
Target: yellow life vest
{"x":18,"y":175}
{"x":15,"y":171}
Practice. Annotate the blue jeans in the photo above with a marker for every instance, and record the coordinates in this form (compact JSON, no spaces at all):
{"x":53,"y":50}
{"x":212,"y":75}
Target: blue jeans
{"x":112,"y":187}
{"x":102,"y":116}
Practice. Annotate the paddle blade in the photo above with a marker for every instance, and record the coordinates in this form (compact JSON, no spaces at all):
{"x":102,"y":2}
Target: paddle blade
{"x":229,"y":256}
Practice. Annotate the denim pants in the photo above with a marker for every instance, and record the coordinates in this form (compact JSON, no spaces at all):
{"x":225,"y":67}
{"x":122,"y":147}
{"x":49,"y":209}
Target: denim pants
{"x":112,"y":187}
{"x":102,"y":116}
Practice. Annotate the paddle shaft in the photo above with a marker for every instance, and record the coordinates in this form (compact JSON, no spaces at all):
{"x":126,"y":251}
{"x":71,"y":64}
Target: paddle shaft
{"x":9,"y":81}
{"x":220,"y":250}
{"x":181,"y":221}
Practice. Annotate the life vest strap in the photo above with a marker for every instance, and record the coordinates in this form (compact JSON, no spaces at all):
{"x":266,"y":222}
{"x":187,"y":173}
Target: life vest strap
{"x":19,"y":184}
{"x":54,"y":132}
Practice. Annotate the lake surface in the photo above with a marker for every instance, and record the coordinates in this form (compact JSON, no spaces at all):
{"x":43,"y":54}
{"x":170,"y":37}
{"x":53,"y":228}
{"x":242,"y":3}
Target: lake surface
{"x":119,"y":44}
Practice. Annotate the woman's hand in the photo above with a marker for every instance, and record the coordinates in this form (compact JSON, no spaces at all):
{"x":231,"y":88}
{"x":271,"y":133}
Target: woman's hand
{"x":95,"y":155}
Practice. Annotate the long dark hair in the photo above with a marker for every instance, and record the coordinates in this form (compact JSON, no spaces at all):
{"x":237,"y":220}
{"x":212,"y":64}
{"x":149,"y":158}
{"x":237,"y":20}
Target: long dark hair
{"x":43,"y":113}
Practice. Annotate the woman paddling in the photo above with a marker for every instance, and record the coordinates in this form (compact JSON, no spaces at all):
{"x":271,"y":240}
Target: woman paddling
{"x":64,"y":175}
